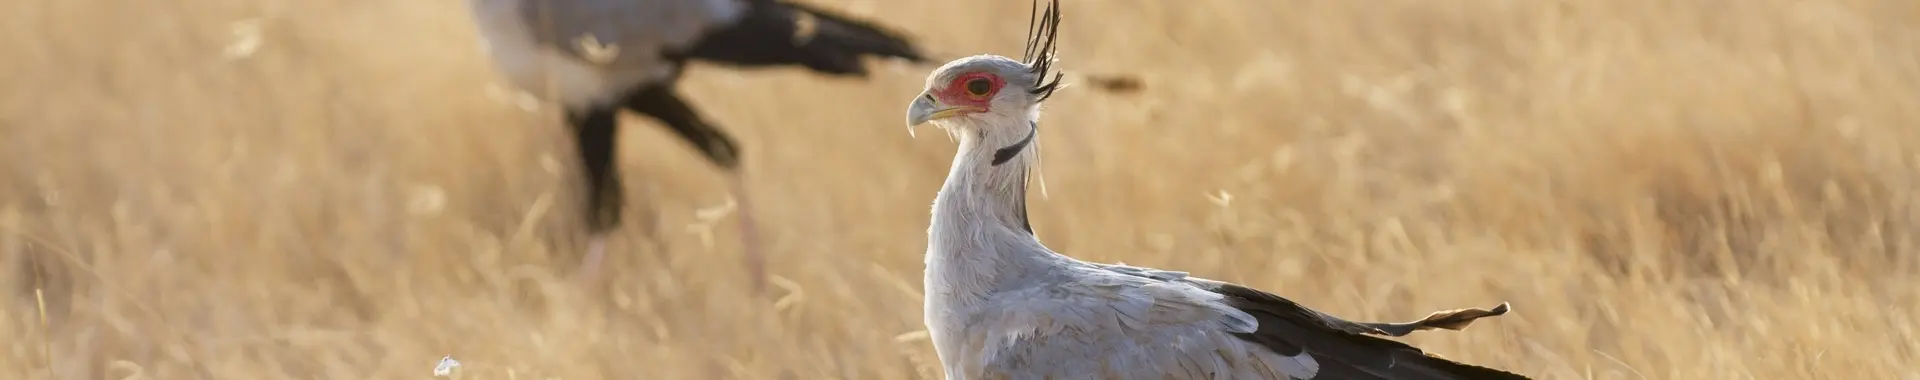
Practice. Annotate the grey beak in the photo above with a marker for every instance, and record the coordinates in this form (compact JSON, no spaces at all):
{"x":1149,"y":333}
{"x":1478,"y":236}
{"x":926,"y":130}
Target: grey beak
{"x":922,"y":110}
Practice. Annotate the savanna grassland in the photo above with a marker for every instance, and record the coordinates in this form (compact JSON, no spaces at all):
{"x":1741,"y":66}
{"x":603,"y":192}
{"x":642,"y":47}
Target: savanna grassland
{"x":1664,"y":189}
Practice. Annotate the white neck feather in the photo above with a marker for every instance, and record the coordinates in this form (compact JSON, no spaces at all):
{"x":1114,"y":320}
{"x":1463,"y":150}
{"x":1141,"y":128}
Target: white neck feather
{"x":979,"y":239}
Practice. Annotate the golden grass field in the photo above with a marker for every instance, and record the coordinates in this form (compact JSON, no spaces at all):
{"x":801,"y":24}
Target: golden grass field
{"x":1689,"y":189}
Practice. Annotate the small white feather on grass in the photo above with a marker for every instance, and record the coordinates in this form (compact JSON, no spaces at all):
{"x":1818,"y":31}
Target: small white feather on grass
{"x":446,"y":366}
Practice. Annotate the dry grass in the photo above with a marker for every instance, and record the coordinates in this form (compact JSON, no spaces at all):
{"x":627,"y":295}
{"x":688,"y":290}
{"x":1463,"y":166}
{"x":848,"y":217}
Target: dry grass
{"x":1692,"y":189}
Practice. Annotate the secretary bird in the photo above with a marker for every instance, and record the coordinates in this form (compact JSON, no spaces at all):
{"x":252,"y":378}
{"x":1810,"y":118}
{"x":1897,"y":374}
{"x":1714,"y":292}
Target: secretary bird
{"x":597,"y":56}
{"x":1000,"y":305}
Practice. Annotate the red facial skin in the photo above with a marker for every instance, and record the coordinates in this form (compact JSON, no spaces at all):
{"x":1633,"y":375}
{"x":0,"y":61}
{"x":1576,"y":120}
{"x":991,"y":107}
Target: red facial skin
{"x":956,"y":92}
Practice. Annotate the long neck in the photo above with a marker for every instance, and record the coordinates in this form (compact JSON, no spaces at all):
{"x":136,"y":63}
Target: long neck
{"x":980,"y":238}
{"x":988,"y":182}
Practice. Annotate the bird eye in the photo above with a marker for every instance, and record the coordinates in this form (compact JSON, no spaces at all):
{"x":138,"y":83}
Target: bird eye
{"x":979,"y":86}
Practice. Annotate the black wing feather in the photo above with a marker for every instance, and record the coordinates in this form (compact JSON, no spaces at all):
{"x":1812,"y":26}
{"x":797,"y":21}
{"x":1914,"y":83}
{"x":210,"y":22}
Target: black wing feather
{"x":772,"y":34}
{"x":1344,"y":348}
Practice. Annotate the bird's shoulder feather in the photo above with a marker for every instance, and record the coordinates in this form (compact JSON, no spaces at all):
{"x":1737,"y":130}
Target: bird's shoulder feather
{"x":640,"y":30}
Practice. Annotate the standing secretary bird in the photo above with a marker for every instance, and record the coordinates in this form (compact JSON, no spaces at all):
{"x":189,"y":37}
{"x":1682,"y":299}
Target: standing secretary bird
{"x":1000,"y":305}
{"x":597,"y":56}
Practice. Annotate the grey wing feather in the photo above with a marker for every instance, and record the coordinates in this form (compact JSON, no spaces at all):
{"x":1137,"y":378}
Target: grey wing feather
{"x":640,"y":29}
{"x":1120,"y":325}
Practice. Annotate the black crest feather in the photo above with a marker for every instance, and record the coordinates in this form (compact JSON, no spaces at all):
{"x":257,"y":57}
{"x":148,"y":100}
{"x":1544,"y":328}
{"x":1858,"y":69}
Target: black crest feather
{"x":1043,"y":32}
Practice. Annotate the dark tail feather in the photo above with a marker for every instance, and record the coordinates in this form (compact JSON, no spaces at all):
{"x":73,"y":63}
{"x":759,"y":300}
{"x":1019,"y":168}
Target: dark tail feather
{"x":1409,"y":365}
{"x":783,"y":33}
{"x":1416,"y":365}
{"x":1456,"y":319}
{"x":1350,"y":356}
{"x":858,"y":36}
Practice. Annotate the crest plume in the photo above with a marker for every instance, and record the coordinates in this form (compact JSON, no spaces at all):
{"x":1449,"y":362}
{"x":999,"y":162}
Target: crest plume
{"x":1043,"y":36}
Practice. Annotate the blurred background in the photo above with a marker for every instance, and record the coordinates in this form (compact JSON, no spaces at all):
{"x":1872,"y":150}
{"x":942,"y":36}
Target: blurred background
{"x":1664,"y":189}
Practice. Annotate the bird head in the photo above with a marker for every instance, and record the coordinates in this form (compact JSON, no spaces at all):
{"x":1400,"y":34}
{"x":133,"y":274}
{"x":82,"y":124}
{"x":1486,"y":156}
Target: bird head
{"x":989,"y":91}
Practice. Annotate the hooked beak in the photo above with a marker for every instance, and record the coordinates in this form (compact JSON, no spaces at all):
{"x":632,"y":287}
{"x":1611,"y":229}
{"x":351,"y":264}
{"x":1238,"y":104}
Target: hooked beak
{"x":925,"y":109}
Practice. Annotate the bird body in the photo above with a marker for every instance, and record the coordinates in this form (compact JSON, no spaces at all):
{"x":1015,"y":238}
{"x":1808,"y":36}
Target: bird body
{"x":593,"y":51}
{"x":595,"y":57}
{"x":1001,"y":305}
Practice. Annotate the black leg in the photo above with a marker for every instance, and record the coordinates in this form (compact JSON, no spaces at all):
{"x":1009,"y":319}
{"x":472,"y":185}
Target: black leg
{"x":595,"y":140}
{"x":662,"y":104}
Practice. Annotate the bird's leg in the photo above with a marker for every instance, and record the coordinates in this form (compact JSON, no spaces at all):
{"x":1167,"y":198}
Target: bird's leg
{"x":661,"y":103}
{"x":594,"y":138}
{"x":589,"y":271}
{"x":749,"y":235}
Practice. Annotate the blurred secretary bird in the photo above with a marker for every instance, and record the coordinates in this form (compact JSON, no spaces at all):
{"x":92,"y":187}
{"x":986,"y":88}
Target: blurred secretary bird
{"x":598,"y":56}
{"x":1000,"y":305}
